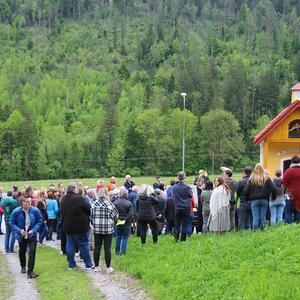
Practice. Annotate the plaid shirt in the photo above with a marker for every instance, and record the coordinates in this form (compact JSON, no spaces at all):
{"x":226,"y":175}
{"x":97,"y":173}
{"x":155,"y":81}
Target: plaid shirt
{"x":104,"y":216}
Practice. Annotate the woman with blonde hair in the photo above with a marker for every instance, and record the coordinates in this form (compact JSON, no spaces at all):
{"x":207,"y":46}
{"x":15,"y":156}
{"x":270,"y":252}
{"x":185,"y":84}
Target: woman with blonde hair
{"x":258,"y":190}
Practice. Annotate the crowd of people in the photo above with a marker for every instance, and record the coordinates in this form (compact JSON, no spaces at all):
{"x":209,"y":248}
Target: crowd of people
{"x":85,"y":218}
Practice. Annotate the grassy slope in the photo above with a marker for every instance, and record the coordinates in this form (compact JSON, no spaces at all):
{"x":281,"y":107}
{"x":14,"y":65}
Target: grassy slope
{"x":92,"y":181}
{"x":242,"y":265}
{"x":56,"y":282}
{"x":6,"y":280}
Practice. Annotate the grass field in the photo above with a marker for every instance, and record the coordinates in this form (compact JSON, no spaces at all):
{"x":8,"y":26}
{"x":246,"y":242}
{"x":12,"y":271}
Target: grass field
{"x":241,"y":265}
{"x":6,"y":280}
{"x":91,"y":182}
{"x":56,"y":282}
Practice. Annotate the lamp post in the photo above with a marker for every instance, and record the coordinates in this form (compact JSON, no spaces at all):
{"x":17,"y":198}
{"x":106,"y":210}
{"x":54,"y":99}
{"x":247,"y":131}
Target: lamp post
{"x":183,"y":95}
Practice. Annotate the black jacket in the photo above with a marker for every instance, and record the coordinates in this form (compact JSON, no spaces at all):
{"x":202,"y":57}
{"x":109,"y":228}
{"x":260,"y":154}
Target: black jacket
{"x":145,"y":207}
{"x":170,"y":209}
{"x":125,"y":209}
{"x":75,"y":213}
{"x":43,"y":210}
{"x":240,"y":188}
{"x":129,"y":185}
{"x":160,"y":209}
{"x":256,"y":192}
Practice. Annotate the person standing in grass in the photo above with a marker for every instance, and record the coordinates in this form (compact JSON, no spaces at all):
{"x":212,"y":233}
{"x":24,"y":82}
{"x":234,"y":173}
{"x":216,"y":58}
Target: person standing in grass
{"x":75,"y":217}
{"x":258,"y":190}
{"x":125,"y":210}
{"x":245,"y":213}
{"x":291,"y":180}
{"x":219,"y":206}
{"x":182,"y":195}
{"x":26,"y":221}
{"x":145,"y":205}
{"x":128,"y":184}
{"x":42,"y":206}
{"x":52,"y":211}
{"x":104,"y":215}
{"x":205,"y":201}
{"x":277,"y":206}
{"x":9,"y":204}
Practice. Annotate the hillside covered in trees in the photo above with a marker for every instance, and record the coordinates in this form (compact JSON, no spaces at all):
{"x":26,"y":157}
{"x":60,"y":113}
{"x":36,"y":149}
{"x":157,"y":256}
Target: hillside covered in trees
{"x":92,"y":87}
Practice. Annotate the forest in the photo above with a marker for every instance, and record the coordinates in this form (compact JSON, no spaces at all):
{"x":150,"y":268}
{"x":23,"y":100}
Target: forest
{"x":92,"y":88}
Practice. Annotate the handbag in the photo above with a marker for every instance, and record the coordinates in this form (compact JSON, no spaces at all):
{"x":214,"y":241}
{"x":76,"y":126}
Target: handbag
{"x":1,"y":211}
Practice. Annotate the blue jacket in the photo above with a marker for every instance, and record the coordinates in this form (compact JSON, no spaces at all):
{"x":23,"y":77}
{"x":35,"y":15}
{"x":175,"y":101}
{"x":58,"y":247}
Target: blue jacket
{"x":182,"y":195}
{"x":52,"y":208}
{"x":17,"y":221}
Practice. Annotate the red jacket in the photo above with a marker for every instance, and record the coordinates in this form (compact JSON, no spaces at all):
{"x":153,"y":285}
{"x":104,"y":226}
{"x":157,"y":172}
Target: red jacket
{"x":291,"y":179}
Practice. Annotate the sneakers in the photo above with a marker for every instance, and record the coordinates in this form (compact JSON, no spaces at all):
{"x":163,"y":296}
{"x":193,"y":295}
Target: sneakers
{"x":97,"y":269}
{"x":32,"y":275}
{"x":109,"y":270}
{"x":90,"y":268}
{"x":23,"y":270}
{"x":72,"y":268}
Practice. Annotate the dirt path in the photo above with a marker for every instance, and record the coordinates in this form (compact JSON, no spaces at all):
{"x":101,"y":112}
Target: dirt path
{"x":115,"y":286}
{"x":23,"y":287}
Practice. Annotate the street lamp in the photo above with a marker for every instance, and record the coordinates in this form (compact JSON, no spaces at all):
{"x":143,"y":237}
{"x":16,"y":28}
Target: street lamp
{"x":183,"y":95}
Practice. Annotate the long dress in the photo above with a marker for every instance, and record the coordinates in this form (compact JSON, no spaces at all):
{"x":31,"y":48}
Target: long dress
{"x":219,"y":210}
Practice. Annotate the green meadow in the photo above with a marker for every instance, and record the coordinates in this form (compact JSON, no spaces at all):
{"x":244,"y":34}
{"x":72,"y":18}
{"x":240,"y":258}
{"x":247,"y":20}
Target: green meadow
{"x":91,"y":182}
{"x":238,"y":265}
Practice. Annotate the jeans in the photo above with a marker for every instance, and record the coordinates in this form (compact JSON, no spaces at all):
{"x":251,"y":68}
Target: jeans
{"x":291,"y":215}
{"x":181,"y":220}
{"x":1,"y":216}
{"x":276,"y":209}
{"x":245,"y":215}
{"x":144,"y":227}
{"x":43,"y":231}
{"x":99,"y":238}
{"x":189,"y":229}
{"x":9,"y":238}
{"x":259,"y":211}
{"x":82,"y":241}
{"x":31,"y":245}
{"x":122,"y":233}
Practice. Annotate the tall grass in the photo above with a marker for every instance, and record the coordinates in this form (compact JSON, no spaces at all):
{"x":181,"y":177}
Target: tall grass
{"x":240,"y":265}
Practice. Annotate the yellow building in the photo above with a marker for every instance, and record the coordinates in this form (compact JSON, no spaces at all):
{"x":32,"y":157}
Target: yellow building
{"x":280,"y":139}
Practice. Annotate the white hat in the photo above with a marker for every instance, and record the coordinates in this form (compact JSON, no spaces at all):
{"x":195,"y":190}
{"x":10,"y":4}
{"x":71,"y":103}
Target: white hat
{"x":224,"y":169}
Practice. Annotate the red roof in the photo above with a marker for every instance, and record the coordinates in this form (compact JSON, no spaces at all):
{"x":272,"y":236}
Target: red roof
{"x":296,"y":87}
{"x":275,"y":122}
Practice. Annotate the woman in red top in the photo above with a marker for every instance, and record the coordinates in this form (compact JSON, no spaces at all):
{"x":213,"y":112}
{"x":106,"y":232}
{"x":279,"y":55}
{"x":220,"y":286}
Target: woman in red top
{"x":291,"y":179}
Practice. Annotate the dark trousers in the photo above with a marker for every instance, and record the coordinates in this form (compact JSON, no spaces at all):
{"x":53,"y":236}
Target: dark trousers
{"x":200,"y":218}
{"x":144,"y":228}
{"x":51,"y":225}
{"x":181,"y":220}
{"x":170,"y":226}
{"x":245,"y":215}
{"x":31,"y":244}
{"x":98,"y":239}
{"x":63,"y":242}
